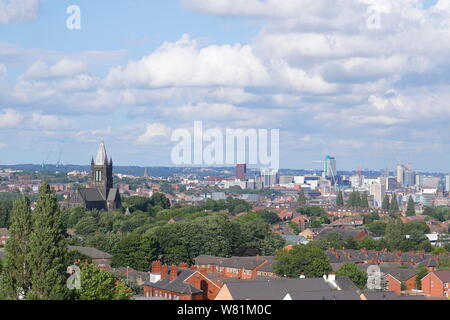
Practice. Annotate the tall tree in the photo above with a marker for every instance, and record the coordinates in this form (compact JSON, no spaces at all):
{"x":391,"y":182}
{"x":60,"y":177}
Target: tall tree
{"x":48,"y":249}
{"x":97,"y":284}
{"x":411,"y":208}
{"x":394,"y":235}
{"x":135,"y":251}
{"x":309,"y":260}
{"x":5,"y":212}
{"x":340,"y":199}
{"x":358,"y":277}
{"x":364,"y":200}
{"x":302,"y":198}
{"x":15,"y":280}
{"x":394,"y":203}
{"x":357,"y":199}
{"x":386,"y":204}
{"x":351,"y":199}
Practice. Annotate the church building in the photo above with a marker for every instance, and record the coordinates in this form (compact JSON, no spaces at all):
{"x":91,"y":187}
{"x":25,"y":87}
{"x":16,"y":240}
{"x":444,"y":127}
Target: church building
{"x":100,"y":193}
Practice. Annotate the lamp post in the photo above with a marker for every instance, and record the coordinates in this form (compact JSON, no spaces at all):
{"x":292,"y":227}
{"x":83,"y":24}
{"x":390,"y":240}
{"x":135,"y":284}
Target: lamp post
{"x":127,"y":274}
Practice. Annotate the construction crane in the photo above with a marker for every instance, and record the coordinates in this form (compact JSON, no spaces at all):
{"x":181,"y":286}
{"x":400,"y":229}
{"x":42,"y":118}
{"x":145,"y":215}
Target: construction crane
{"x":59,"y":158}
{"x":46,"y":159}
{"x":333,"y":174}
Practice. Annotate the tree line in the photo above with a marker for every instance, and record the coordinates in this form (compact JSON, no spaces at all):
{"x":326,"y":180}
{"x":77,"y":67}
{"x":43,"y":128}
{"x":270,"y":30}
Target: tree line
{"x":37,"y":257}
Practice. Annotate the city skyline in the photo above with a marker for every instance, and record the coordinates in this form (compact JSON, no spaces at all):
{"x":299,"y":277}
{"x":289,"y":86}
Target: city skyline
{"x":132,"y":76}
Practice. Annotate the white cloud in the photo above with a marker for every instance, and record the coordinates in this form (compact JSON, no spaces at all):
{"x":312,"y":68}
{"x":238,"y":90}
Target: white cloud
{"x":62,"y":69}
{"x":184,"y":64}
{"x":49,"y":122}
{"x":9,"y":118}
{"x":3,"y":70}
{"x":153,"y":132}
{"x":18,"y":10}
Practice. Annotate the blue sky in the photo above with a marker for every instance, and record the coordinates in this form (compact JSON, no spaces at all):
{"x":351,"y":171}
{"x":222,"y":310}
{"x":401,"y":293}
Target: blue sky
{"x":139,"y":69}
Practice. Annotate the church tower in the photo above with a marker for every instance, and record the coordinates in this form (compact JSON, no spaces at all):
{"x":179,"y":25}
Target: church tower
{"x":101,"y":171}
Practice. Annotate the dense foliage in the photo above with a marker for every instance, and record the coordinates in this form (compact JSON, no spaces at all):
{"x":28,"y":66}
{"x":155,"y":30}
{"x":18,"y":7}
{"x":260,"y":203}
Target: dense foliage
{"x":308,"y":260}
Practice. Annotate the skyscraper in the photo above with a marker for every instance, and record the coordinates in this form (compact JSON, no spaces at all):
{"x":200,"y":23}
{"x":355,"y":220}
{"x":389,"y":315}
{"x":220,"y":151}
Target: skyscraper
{"x":400,"y":174}
{"x":269,"y":177}
{"x":378,"y":191}
{"x":447,"y":183}
{"x":330,"y":167}
{"x":241,"y":171}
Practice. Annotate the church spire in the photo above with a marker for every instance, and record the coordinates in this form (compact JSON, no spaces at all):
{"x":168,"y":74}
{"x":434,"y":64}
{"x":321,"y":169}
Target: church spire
{"x":101,"y":158}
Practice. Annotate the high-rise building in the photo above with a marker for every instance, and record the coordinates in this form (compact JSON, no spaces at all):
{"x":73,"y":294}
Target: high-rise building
{"x":241,"y":171}
{"x":378,"y":191}
{"x":391,"y":183}
{"x":330,"y":167}
{"x":431,"y":182}
{"x":405,"y":176}
{"x":400,"y":174}
{"x":447,"y":183}
{"x":269,"y":177}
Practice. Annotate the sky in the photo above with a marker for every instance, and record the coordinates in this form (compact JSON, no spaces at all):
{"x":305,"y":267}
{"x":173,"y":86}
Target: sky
{"x":366,"y":81}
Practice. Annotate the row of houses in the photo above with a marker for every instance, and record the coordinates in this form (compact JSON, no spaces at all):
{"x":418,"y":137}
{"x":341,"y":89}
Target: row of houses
{"x":198,"y":283}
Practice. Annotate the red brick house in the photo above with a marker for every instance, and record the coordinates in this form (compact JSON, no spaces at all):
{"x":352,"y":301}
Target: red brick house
{"x":399,"y":279}
{"x":437,"y":284}
{"x":180,"y":283}
{"x":234,"y":267}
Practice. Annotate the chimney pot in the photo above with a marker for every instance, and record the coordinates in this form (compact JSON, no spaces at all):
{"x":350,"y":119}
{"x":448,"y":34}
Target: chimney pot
{"x":164,"y":271}
{"x":156,"y":266}
{"x":173,"y":272}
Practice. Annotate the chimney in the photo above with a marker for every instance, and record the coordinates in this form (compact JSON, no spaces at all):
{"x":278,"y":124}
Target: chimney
{"x":184,"y":266}
{"x":156,"y":266}
{"x":173,"y":272}
{"x":164,"y":271}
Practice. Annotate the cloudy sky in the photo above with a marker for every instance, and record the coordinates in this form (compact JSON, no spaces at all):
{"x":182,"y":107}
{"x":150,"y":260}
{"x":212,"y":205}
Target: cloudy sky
{"x":367,"y":81}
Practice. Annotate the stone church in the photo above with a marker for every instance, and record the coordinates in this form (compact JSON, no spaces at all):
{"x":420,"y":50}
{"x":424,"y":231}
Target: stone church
{"x":100,"y":193}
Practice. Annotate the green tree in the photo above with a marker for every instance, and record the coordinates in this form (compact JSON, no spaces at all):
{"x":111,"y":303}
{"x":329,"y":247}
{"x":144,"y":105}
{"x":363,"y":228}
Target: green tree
{"x":386,"y":204}
{"x":367,"y":243}
{"x":309,"y":260}
{"x":97,"y":284}
{"x":136,"y":252}
{"x":357,"y":199}
{"x":410,"y":209}
{"x":377,"y":227}
{"x":159,"y":199}
{"x":394,"y":203}
{"x":439,"y":251}
{"x":5,"y":212}
{"x":340,"y":199}
{"x":86,"y":225}
{"x":421,"y":273}
{"x":364,"y":201}
{"x":15,"y":280}
{"x":358,"y":277}
{"x":416,"y":227}
{"x":394,"y":235}
{"x":331,"y":240}
{"x":302,"y":198}
{"x":444,"y":263}
{"x":47,"y":249}
{"x":350,"y":243}
{"x":294,"y":227}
